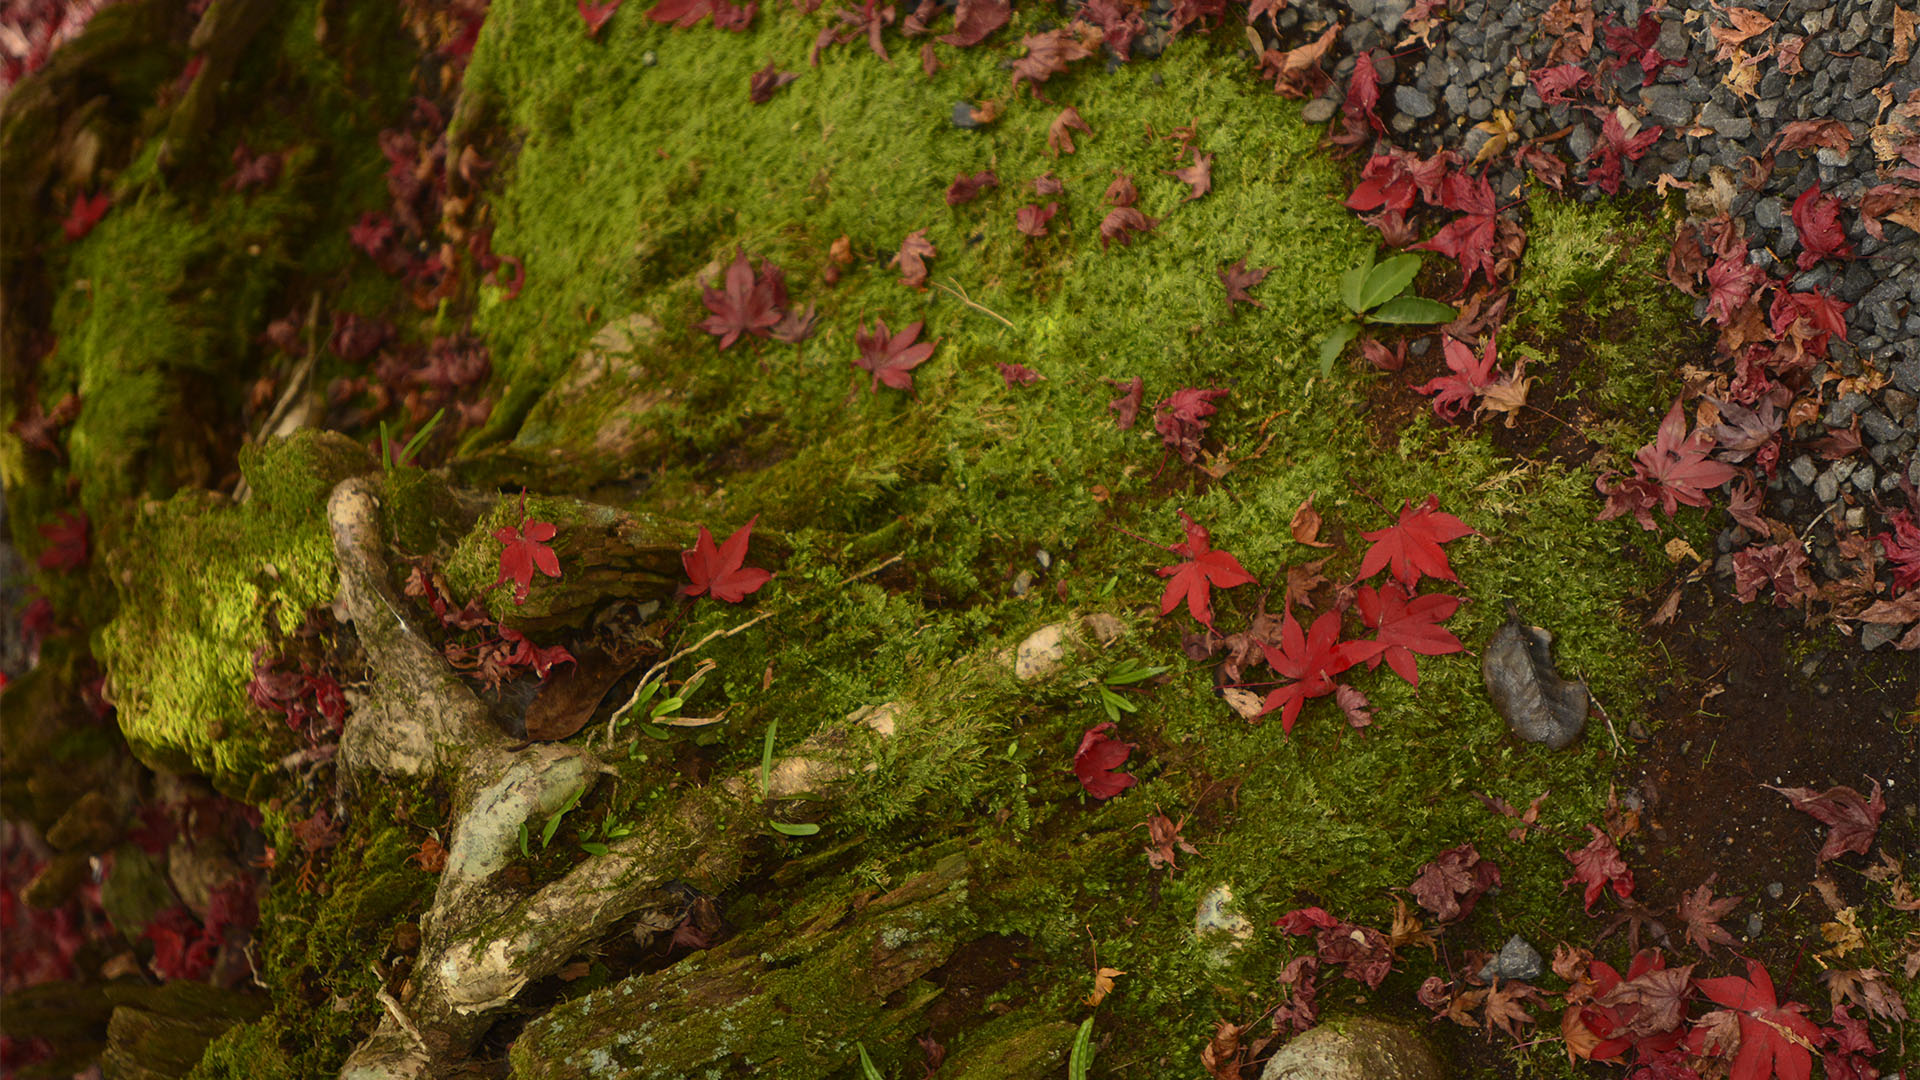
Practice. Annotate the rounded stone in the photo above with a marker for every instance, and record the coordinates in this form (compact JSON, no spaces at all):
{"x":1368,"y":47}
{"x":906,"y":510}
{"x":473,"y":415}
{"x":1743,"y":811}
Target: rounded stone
{"x":1355,"y":1049}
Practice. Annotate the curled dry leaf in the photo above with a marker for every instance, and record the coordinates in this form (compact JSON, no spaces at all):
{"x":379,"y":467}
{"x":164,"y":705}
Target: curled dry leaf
{"x":1305,"y":526}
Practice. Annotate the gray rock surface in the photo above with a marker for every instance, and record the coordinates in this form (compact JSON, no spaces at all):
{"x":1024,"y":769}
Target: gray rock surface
{"x":1356,"y":1049}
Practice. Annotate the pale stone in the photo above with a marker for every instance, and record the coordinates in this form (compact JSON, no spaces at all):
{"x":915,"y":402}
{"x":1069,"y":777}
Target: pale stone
{"x":1355,"y":1049}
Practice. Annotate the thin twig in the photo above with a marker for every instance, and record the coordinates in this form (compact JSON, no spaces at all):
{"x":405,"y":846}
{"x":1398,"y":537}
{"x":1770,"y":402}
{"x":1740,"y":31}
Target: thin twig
{"x":872,"y":570}
{"x":398,"y":1014}
{"x":662,"y":665}
{"x":961,"y":294}
{"x":1602,"y":710}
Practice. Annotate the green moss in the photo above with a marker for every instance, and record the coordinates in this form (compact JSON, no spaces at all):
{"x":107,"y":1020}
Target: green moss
{"x":203,"y":584}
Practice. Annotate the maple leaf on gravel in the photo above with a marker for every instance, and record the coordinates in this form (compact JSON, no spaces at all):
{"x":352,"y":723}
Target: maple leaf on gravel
{"x":721,"y":571}
{"x":86,"y":213}
{"x":1469,"y":238}
{"x":1555,"y":83}
{"x":1406,"y":625}
{"x":1311,"y":659}
{"x":1614,"y":147}
{"x":1453,"y":882}
{"x":1238,"y":279}
{"x":746,"y":306}
{"x":1060,"y":132}
{"x":1363,"y":95}
{"x":1194,"y":579}
{"x":595,"y":15}
{"x":1096,"y":761}
{"x":1730,"y":284}
{"x":1471,"y":377}
{"x":1774,"y":1038}
{"x":1197,"y":176}
{"x":1411,"y":546}
{"x":1816,"y":218}
{"x":912,"y":258}
{"x":891,"y":357}
{"x":1902,"y":545}
{"x":1599,"y":865}
{"x":965,"y":189}
{"x":523,"y":550}
{"x":1032,"y":220}
{"x":1703,"y":914}
{"x":1851,"y":818}
{"x":1182,"y":421}
{"x":1671,"y":470}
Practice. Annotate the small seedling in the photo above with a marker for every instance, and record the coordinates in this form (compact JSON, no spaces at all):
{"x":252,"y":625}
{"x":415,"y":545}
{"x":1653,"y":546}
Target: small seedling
{"x":1380,"y":294}
{"x":387,"y":457}
{"x":553,"y":822}
{"x":1081,"y":1059}
{"x":1126,"y":673}
{"x":766,"y":779}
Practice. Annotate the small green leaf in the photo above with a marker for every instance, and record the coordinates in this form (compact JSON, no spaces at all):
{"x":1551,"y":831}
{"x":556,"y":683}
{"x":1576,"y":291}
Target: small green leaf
{"x":523,"y":840}
{"x":794,"y":830}
{"x":1353,"y":285}
{"x":1132,"y":671}
{"x":1081,"y":1059}
{"x":1388,"y":280}
{"x":655,"y":731}
{"x":867,"y":1071}
{"x":594,"y":847}
{"x":672,"y":704}
{"x":1404,"y":310}
{"x":553,"y":823}
{"x":420,"y":437}
{"x":1332,"y":345}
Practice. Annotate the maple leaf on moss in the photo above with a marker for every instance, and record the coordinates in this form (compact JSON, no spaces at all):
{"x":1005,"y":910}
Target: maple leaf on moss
{"x":912,"y":258}
{"x":1311,"y":659}
{"x":1238,"y":278}
{"x":746,"y":306}
{"x":1671,"y":470}
{"x":965,"y":189}
{"x":1182,"y":420}
{"x":1060,"y":132}
{"x":596,"y":15}
{"x":523,"y":550}
{"x":1032,"y":220}
{"x":1097,"y":761}
{"x":1195,"y":579}
{"x":1411,"y":545}
{"x":66,"y":549}
{"x":1198,"y":176}
{"x":1599,"y":865}
{"x":86,"y":213}
{"x":891,"y":357}
{"x":722,"y":571}
{"x":1405,"y":625}
{"x":1469,"y":238}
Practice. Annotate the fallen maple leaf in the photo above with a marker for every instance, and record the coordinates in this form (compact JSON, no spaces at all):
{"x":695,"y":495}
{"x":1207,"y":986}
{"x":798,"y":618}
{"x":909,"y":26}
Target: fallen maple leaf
{"x":1182,"y":420}
{"x":86,"y":213}
{"x":1238,"y":279}
{"x":1049,"y":53}
{"x":1163,"y":836}
{"x":1851,"y":818}
{"x":1197,"y":176}
{"x":1102,"y":985}
{"x":1018,"y":375}
{"x":1555,"y":83}
{"x":1405,"y":625}
{"x":1195,"y":579}
{"x":1747,"y":23}
{"x":1296,"y":72}
{"x":1305,"y":526}
{"x":1469,"y":238}
{"x":66,"y":549}
{"x":1032,"y":220}
{"x":912,"y":258}
{"x":1453,"y":882}
{"x":1311,"y":659}
{"x":1096,"y":761}
{"x":596,"y":15}
{"x":1471,"y":377}
{"x":746,"y":306}
{"x":1121,"y":223}
{"x":965,"y":189}
{"x":1902,"y":545}
{"x":762,"y":84}
{"x":720,"y":571}
{"x":1508,"y":394}
{"x":1411,"y":545}
{"x":1599,"y":865}
{"x":523,"y":550}
{"x":1816,"y":218}
{"x":1703,"y":913}
{"x":431,"y":857}
{"x":681,"y":13}
{"x":1775,"y":1039}
{"x":891,"y":357}
{"x":1060,"y":133}
{"x":1615,"y":147}
{"x":1671,"y":470}
{"x":973,"y":20}
{"x":1126,"y":407}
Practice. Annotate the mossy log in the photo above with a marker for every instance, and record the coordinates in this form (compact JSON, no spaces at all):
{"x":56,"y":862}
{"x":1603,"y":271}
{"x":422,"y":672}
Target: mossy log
{"x":161,"y":1031}
{"x":786,"y":998}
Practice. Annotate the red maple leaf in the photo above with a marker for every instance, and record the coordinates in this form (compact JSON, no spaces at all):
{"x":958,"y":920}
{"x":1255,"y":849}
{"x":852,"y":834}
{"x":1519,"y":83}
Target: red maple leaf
{"x":1816,"y":218}
{"x":1453,"y":882}
{"x":1599,"y":865}
{"x":1703,"y":914}
{"x":595,"y":15}
{"x":745,"y":307}
{"x":66,"y":549}
{"x":1554,"y":83}
{"x":1406,"y":625}
{"x":1671,"y":470}
{"x":524,"y":653}
{"x":1182,"y":420}
{"x":1774,"y":1038}
{"x":1097,"y":759}
{"x":891,"y":357}
{"x":965,"y":189}
{"x":1363,"y":95}
{"x":1641,"y":1012}
{"x":524,"y":549}
{"x":1805,"y":320}
{"x":1194,"y":579}
{"x":721,"y":571}
{"x":1311,"y":659}
{"x":1126,"y":407}
{"x":1121,"y":223}
{"x":1032,"y":220}
{"x":1468,"y":239}
{"x":1730,"y":284}
{"x":1412,"y":544}
{"x":1614,"y":147}
{"x":1471,"y":377}
{"x":681,"y":13}
{"x":1902,"y":545}
{"x":86,"y":213}
{"x":1850,"y":817}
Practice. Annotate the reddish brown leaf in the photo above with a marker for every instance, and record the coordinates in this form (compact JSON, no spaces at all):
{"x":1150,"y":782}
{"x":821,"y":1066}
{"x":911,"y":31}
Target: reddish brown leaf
{"x":1305,"y":526}
{"x":912,"y":258}
{"x":965,"y":189}
{"x":1599,"y":865}
{"x":1702,"y":914}
{"x":1097,"y":761}
{"x":1032,"y":220}
{"x":1816,"y":218}
{"x":762,"y":84}
{"x":1851,"y":818}
{"x":1238,"y":279}
{"x":889,"y":357}
{"x":1193,"y":580}
{"x":1197,"y":176}
{"x":1453,"y":882}
{"x":973,"y":20}
{"x":1182,"y":420}
{"x":1060,"y":135}
{"x":1126,"y":407}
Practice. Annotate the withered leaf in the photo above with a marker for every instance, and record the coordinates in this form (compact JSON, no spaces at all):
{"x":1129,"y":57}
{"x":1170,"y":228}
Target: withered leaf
{"x":569,"y":695}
